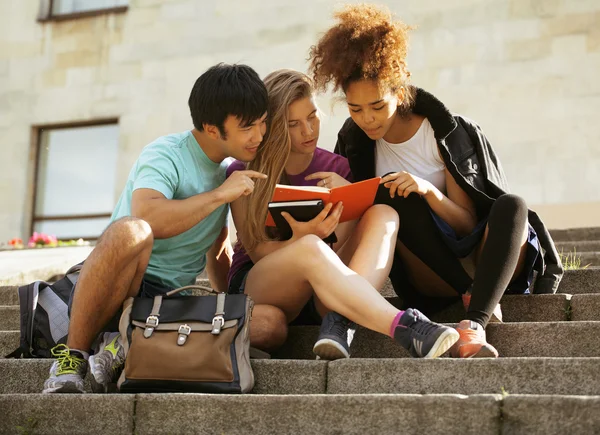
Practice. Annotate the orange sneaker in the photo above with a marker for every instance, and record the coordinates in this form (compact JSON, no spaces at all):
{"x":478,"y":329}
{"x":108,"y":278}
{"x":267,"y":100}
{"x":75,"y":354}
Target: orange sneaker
{"x":472,"y":342}
{"x":496,"y":316}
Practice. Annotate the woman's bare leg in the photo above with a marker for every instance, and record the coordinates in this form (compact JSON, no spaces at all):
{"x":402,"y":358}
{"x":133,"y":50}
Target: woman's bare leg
{"x":370,"y":249}
{"x":286,"y":280}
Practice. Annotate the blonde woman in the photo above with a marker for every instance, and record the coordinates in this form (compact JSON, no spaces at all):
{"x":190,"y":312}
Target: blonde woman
{"x":304,"y":277}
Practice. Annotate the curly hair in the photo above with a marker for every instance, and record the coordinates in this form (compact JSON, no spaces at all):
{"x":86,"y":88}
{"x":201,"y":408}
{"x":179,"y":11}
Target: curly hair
{"x":365,"y":43}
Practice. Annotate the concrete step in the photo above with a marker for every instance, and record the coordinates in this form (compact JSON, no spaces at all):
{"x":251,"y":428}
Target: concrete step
{"x":271,"y":376}
{"x":305,"y":414}
{"x":576,"y":234}
{"x":578,"y":246}
{"x":9,"y":318}
{"x":584,"y":307}
{"x":9,"y":295}
{"x":587,"y":259}
{"x":9,"y":341}
{"x":531,"y":339}
{"x":515,"y":308}
{"x":570,"y":376}
{"x":581,"y":281}
{"x":539,"y":339}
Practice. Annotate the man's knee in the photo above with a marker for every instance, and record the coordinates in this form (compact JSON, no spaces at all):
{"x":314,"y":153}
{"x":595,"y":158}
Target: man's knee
{"x":128,"y":232}
{"x":268,"y":328}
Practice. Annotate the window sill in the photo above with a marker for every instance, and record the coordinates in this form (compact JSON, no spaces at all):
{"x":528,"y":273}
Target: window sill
{"x":85,"y":14}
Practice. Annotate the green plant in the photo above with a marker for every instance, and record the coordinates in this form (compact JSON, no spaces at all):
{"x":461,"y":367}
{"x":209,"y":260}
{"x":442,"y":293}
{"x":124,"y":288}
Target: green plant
{"x":28,"y":427}
{"x":572,"y":260}
{"x":568,"y":312}
{"x":503,"y":392}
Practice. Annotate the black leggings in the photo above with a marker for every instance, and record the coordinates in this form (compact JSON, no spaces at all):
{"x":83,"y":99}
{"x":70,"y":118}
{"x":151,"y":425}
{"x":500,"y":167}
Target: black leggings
{"x":419,"y":233}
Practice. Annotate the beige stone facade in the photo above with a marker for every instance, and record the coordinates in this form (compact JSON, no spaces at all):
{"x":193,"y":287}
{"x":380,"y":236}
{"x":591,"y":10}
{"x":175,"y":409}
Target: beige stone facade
{"x":526,"y":70}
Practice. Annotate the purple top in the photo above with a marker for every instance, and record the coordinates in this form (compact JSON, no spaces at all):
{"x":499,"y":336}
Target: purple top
{"x":323,"y":161}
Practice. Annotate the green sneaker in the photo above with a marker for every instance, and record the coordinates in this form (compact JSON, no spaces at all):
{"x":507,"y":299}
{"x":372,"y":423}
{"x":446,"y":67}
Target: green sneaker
{"x":107,"y":363}
{"x":67,"y":372}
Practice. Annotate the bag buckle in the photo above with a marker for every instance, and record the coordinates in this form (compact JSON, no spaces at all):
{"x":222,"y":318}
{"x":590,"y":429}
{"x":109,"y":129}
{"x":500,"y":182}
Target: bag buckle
{"x":184,"y":331}
{"x":151,"y":324}
{"x":217,"y":324}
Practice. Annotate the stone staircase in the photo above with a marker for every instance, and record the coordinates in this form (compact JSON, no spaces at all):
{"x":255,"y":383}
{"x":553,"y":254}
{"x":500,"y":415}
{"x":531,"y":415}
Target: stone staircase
{"x":547,"y":380}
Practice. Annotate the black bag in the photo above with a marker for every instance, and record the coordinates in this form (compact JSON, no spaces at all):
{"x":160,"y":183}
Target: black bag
{"x":44,"y":315}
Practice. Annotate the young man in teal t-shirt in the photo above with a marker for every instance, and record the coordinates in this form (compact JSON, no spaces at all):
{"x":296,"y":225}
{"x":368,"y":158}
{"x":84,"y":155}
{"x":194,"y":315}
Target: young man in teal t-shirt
{"x":170,"y":222}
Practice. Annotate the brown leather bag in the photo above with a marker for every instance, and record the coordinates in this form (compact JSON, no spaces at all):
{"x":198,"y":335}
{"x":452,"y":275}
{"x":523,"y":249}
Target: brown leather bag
{"x":187,"y":343}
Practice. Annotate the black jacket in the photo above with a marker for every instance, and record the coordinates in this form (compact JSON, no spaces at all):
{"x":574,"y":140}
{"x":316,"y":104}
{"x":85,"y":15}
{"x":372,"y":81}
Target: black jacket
{"x":472,"y":162}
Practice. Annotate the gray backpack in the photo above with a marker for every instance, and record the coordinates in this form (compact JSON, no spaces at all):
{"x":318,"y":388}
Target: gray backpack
{"x":44,"y":315}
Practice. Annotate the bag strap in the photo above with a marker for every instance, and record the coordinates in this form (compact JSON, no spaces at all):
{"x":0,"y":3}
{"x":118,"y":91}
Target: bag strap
{"x":73,"y":273}
{"x":28,"y":299}
{"x":218,"y":321}
{"x":191,"y":287}
{"x":152,"y":320}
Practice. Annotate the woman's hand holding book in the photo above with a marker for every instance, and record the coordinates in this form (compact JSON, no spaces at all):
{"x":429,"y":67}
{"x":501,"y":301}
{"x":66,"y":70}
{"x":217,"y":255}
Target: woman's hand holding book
{"x":403,"y":184}
{"x":322,"y":225}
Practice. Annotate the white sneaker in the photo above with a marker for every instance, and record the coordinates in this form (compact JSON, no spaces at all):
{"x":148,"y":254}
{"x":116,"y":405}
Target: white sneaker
{"x":67,"y":372}
{"x":107,"y":362}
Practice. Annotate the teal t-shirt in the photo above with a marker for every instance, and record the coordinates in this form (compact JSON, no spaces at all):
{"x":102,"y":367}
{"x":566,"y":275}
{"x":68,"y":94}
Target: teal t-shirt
{"x":176,"y":166}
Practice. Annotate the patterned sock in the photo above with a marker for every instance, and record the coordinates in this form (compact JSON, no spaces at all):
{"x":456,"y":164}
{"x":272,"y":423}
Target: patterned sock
{"x":395,"y":323}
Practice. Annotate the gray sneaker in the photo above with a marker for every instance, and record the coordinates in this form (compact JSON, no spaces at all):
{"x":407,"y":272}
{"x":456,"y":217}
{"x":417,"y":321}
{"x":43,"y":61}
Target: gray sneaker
{"x":107,"y":362}
{"x":422,"y":337}
{"x":67,"y":372}
{"x":335,"y":337}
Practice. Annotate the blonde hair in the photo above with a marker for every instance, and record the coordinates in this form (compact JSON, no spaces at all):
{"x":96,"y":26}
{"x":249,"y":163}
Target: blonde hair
{"x":284,"y":86}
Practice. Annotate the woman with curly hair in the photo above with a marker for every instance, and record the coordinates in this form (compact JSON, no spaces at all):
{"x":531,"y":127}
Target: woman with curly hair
{"x":439,"y":173}
{"x":311,"y":282}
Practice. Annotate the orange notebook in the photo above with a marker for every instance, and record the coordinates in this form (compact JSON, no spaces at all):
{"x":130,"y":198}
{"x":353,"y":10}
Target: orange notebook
{"x":357,"y":197}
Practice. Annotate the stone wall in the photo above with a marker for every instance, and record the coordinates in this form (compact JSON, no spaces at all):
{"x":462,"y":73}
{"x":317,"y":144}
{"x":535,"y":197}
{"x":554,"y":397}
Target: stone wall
{"x":525,"y":70}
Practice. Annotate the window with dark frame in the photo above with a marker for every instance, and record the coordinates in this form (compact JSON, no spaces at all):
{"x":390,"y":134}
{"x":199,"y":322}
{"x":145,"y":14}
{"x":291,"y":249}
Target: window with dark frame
{"x":75,"y":179}
{"x":54,"y":10}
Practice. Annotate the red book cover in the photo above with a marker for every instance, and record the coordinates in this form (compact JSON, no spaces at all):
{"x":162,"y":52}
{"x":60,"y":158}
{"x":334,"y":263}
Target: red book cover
{"x":357,"y":197}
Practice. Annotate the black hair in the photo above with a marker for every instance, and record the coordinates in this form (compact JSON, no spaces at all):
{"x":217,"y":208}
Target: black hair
{"x":225,"y":90}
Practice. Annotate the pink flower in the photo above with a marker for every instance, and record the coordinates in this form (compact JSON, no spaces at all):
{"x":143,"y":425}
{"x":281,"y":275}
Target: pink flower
{"x":41,"y":239}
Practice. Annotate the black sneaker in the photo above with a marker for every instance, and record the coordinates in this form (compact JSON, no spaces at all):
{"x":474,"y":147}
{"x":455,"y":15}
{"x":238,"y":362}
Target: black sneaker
{"x":335,"y":337}
{"x":422,"y":337}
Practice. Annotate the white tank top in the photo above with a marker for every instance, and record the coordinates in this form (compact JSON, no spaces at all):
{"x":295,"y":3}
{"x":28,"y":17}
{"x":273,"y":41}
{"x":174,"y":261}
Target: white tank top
{"x":418,"y":156}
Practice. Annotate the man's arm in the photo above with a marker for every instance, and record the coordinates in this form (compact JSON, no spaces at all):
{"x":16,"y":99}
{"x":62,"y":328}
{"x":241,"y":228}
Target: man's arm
{"x":171,"y":217}
{"x":218,"y":261}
